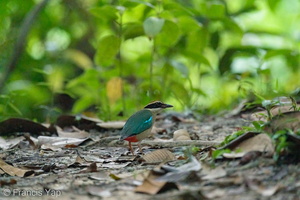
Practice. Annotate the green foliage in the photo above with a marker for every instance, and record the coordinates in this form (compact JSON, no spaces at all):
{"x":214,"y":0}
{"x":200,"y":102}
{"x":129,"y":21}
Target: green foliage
{"x":283,"y":145}
{"x":201,"y":55}
{"x":235,"y":135}
{"x":219,"y":152}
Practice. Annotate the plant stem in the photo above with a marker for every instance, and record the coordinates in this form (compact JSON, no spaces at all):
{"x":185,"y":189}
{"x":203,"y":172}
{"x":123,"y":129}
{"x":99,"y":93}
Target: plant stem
{"x":121,"y":63}
{"x":151,"y":69}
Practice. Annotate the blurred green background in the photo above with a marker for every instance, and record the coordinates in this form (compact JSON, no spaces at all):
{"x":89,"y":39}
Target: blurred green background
{"x":113,"y":57}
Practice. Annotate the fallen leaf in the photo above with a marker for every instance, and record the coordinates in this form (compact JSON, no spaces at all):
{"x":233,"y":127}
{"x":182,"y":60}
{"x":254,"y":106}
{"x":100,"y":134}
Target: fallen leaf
{"x":10,"y":143}
{"x":158,"y":156}
{"x":100,"y":176}
{"x":248,"y":142}
{"x":152,"y":186}
{"x":58,"y":142}
{"x":180,"y":173}
{"x":81,"y":122}
{"x":91,"y":168}
{"x":10,"y":182}
{"x":14,"y":171}
{"x":288,"y":120}
{"x":18,"y":125}
{"x":251,"y":155}
{"x":31,"y":142}
{"x":115,"y":177}
{"x":181,"y":134}
{"x":233,"y":155}
{"x":72,"y":133}
{"x":234,"y":143}
{"x":261,"y":142}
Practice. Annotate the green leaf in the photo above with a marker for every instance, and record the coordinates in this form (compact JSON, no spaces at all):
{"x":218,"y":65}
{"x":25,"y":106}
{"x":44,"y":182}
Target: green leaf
{"x":83,"y":103}
{"x":169,"y":35}
{"x":187,"y":24}
{"x":132,"y":3}
{"x":180,"y":92}
{"x":105,"y":13}
{"x":182,"y":68}
{"x":215,"y":11}
{"x":153,"y":26}
{"x":133,"y":30}
{"x":197,"y":40}
{"x":108,"y":48}
{"x":218,"y":153}
{"x":197,"y":57}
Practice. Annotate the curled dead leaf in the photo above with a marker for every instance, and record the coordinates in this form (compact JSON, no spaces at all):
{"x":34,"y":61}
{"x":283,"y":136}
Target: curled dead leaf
{"x":18,"y":125}
{"x":152,"y":186}
{"x":158,"y":156}
{"x":14,"y":171}
{"x":181,"y":134}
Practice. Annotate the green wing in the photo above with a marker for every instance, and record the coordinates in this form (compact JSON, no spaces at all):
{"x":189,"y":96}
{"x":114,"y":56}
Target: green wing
{"x":137,"y":123}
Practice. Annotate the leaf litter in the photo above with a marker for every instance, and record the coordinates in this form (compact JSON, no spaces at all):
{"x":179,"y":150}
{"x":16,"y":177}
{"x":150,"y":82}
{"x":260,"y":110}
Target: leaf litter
{"x":84,"y":157}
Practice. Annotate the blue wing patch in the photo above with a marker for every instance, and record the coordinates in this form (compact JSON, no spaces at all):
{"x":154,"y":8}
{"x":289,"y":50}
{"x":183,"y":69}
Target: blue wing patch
{"x":137,"y":123}
{"x":148,"y":120}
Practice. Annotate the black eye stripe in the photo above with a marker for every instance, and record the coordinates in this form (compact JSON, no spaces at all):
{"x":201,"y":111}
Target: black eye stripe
{"x":154,"y":105}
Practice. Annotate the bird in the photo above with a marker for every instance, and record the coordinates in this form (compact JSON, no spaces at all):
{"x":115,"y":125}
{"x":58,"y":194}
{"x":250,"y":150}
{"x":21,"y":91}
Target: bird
{"x":139,"y":125}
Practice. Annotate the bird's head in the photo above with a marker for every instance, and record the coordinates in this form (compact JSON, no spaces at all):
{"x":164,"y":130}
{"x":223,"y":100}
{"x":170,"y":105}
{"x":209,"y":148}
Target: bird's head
{"x":157,"y":106}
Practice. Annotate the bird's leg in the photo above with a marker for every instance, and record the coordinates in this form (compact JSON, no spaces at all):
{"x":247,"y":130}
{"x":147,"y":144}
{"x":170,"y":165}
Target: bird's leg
{"x":130,"y":147}
{"x":140,"y":148}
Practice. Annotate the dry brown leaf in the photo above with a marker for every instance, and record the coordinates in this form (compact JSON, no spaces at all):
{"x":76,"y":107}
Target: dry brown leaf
{"x":14,"y":171}
{"x":261,"y":142}
{"x":81,"y":122}
{"x":158,"y":156}
{"x":74,"y":133}
{"x":152,"y":186}
{"x":289,"y":120}
{"x":19,"y":125}
{"x":181,"y":134}
{"x":6,"y":182}
{"x":91,"y":168}
{"x":251,"y":155}
{"x":248,"y":142}
{"x":278,"y":110}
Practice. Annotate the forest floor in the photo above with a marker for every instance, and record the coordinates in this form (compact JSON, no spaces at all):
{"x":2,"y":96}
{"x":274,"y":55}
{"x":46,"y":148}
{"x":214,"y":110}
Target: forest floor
{"x":102,"y":167}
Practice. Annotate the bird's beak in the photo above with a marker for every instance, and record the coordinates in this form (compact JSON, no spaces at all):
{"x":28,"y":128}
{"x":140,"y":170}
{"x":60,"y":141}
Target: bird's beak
{"x":167,"y":106}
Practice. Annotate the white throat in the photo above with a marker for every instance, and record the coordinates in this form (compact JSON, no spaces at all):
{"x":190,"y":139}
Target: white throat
{"x":155,"y":110}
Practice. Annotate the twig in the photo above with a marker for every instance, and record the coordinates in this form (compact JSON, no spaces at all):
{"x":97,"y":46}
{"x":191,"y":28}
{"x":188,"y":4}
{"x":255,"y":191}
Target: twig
{"x":21,"y":40}
{"x":113,"y":141}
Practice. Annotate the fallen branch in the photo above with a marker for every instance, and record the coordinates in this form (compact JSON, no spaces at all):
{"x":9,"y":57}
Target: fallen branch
{"x":114,"y":141}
